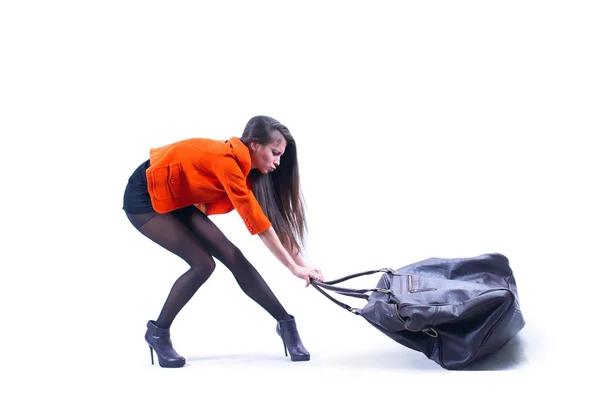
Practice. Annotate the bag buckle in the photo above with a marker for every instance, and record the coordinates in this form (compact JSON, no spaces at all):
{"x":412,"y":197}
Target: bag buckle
{"x":431,"y":332}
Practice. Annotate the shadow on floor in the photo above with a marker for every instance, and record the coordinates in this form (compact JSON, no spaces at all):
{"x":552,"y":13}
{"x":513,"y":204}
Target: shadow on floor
{"x":510,"y":356}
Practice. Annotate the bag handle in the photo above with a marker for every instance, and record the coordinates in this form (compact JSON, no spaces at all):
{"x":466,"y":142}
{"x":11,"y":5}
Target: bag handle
{"x":360,"y":293}
{"x":355,"y":293}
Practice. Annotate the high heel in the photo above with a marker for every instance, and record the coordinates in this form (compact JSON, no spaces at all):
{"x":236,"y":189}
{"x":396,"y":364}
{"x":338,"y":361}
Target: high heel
{"x":286,"y":329}
{"x":159,"y":341}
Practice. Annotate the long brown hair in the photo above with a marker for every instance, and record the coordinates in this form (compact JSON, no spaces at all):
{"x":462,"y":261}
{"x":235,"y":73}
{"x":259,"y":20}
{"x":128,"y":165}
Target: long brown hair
{"x":278,"y":192}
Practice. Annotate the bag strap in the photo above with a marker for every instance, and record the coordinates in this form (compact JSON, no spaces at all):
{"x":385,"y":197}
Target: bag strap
{"x":355,"y":293}
{"x":368,"y":272}
{"x":328,"y":296}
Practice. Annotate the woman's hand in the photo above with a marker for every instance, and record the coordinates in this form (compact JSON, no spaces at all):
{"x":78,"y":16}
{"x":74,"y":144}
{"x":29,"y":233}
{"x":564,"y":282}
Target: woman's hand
{"x":307,"y":273}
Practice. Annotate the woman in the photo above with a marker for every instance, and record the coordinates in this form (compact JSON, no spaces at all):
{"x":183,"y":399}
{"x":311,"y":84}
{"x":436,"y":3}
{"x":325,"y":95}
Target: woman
{"x":169,"y":197}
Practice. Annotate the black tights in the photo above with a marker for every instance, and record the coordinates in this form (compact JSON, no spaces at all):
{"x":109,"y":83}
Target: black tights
{"x":192,"y":236}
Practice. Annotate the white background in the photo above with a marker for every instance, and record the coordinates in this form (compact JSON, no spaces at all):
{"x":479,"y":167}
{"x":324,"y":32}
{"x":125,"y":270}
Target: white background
{"x":424,"y":129}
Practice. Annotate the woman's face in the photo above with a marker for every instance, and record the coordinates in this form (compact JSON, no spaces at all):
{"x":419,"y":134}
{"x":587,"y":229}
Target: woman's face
{"x":266,"y":157}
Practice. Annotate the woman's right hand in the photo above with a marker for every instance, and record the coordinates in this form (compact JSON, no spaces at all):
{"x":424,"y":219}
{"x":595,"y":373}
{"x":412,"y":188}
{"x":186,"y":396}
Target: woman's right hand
{"x":307,"y":273}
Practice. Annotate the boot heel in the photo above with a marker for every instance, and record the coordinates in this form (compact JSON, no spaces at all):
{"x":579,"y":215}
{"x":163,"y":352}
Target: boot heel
{"x":151,"y":355}
{"x":285,"y":348}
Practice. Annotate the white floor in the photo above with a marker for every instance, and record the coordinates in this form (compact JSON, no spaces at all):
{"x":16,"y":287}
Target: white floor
{"x":424,"y":129}
{"x":88,"y":353}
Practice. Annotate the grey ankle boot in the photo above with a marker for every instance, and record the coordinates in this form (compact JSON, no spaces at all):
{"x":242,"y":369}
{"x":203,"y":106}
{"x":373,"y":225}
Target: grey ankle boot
{"x":159,"y":340}
{"x":286,"y":329}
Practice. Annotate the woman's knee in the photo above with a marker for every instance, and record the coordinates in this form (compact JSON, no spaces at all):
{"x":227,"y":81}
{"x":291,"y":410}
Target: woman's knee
{"x":203,"y":267}
{"x":232,"y":256}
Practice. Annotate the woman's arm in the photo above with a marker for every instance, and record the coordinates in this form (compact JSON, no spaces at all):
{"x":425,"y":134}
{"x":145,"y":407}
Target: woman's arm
{"x":293,"y":262}
{"x":294,"y":253}
{"x":272,"y":242}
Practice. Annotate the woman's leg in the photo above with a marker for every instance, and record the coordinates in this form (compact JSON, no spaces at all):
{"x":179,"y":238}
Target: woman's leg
{"x":170,"y":233}
{"x":194,"y":238}
{"x":215,"y":242}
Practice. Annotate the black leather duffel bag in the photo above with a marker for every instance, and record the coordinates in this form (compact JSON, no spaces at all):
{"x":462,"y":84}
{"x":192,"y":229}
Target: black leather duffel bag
{"x":455,"y":311}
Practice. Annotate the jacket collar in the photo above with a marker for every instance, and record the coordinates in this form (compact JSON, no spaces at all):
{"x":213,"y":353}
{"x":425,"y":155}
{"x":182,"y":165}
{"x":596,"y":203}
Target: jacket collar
{"x":242,"y":154}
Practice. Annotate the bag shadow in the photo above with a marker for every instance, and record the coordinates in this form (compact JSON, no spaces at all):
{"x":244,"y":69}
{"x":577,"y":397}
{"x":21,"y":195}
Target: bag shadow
{"x":510,"y":356}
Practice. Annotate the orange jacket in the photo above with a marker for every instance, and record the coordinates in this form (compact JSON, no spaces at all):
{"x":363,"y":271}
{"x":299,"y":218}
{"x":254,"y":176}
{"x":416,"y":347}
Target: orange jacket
{"x":211,"y":174}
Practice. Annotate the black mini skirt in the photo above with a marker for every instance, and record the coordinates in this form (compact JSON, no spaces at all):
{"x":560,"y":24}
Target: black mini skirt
{"x":136,"y":200}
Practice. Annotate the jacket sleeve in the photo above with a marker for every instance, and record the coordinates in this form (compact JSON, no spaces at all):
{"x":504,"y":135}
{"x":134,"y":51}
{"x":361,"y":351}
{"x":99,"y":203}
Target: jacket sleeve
{"x":227,"y":170}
